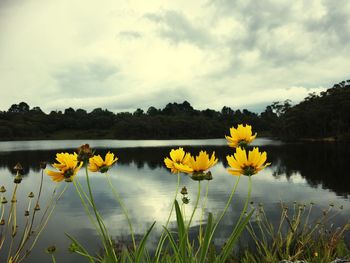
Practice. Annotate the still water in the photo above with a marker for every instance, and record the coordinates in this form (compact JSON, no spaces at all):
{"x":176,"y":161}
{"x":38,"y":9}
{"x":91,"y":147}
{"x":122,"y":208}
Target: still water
{"x":307,"y":172}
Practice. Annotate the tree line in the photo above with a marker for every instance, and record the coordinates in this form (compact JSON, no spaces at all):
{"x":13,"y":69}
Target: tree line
{"x":317,"y":116}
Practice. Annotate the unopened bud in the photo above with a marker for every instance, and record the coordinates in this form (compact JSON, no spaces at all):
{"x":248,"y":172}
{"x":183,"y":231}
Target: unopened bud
{"x":18,"y":167}
{"x":3,"y":200}
{"x":184,"y":191}
{"x":2,"y":189}
{"x":185,"y":200}
{"x":37,"y":207}
{"x":31,"y":195}
{"x":26,"y":213}
{"x":2,"y":222}
{"x":43,"y":165}
{"x":18,"y":179}
{"x":51,"y":249}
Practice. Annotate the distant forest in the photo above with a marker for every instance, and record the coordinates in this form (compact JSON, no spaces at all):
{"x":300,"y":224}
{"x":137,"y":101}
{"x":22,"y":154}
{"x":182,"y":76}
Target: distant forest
{"x":317,"y":116}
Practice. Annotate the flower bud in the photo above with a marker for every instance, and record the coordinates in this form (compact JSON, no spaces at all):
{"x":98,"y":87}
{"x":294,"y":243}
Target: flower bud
{"x":31,"y":195}
{"x":37,"y":207}
{"x":18,"y":179}
{"x":184,"y":191}
{"x":50,"y":249}
{"x":18,"y":167}
{"x":26,"y":213}
{"x":2,"y":222}
{"x":3,"y":200}
{"x":84,"y":153}
{"x":2,"y":189}
{"x":43,"y":165}
{"x":185,"y":200}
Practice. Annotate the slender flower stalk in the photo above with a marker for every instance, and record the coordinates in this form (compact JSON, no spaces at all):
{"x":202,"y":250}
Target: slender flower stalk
{"x":202,"y":214}
{"x":110,"y":251}
{"x":125,"y":210}
{"x":196,"y":205}
{"x":163,"y":237}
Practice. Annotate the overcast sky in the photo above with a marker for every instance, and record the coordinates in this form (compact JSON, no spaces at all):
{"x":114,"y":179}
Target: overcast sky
{"x":122,"y":55}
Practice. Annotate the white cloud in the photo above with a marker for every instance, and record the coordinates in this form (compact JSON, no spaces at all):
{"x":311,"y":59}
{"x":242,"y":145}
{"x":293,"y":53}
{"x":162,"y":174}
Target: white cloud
{"x":125,"y":55}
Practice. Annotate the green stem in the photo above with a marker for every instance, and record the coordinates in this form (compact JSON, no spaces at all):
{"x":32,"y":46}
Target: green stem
{"x":53,"y":258}
{"x":106,"y":240}
{"x":124,"y":210}
{"x":44,"y":222}
{"x":76,"y":184}
{"x":161,"y":241}
{"x":202,"y":214}
{"x":196,"y":205}
{"x":226,"y":206}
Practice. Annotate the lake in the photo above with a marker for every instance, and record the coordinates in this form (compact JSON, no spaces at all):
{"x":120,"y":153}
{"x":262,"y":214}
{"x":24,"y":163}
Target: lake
{"x":300,"y":172}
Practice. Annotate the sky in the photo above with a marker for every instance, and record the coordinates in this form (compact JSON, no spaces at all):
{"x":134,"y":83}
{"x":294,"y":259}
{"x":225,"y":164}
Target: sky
{"x":123,"y":55}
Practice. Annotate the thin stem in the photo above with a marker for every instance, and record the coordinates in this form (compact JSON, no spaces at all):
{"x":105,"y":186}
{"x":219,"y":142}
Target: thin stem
{"x":161,"y":241}
{"x":86,"y":207}
{"x":203,"y":210}
{"x":44,"y":222}
{"x":124,"y":209}
{"x":106,"y":240}
{"x":196,"y":205}
{"x":226,"y":206}
{"x":53,"y":258}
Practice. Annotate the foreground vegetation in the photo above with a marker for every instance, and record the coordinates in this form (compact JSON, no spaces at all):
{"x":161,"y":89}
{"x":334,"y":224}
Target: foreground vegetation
{"x":317,"y":116}
{"x":294,"y":238}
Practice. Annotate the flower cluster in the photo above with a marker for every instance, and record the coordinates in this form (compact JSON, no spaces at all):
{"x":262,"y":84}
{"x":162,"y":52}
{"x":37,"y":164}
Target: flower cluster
{"x":241,"y":163}
{"x":180,"y":161}
{"x":68,"y":165}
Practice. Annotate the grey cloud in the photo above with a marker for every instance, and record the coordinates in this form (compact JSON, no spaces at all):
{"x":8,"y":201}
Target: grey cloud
{"x":335,"y":25}
{"x":177,"y":28}
{"x":86,"y":78}
{"x":129,"y":34}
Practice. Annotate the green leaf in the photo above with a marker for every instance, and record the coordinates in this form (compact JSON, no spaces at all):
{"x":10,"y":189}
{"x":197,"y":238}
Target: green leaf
{"x":227,"y":250}
{"x":181,"y":231}
{"x":140,"y":249}
{"x":207,"y":238}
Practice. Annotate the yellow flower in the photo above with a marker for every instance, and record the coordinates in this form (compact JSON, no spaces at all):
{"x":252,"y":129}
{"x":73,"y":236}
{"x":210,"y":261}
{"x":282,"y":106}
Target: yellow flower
{"x":97,"y":164}
{"x":201,"y":162}
{"x":243,"y":165}
{"x":241,"y":136}
{"x":67,"y":166}
{"x":178,"y":161}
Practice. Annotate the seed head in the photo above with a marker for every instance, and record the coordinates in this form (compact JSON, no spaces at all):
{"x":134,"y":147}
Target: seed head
{"x":3,"y":200}
{"x":184,"y":191}
{"x":18,"y":167}
{"x":37,"y":207}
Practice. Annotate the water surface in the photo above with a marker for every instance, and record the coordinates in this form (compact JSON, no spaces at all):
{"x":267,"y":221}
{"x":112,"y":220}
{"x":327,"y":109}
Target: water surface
{"x":303,"y":173}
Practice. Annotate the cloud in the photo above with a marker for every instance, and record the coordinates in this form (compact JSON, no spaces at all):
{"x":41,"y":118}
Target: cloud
{"x":175,"y":27}
{"x":123,"y":56}
{"x":129,"y":35}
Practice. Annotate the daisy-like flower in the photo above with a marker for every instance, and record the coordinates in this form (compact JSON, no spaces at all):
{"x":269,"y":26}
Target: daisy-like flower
{"x":241,"y":164}
{"x":202,"y":163}
{"x":241,"y":136}
{"x":67,"y":166}
{"x":178,"y":161}
{"x":97,"y":164}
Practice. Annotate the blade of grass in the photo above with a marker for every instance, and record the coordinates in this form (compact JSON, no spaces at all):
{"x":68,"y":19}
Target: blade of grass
{"x":207,"y":239}
{"x":140,"y":249}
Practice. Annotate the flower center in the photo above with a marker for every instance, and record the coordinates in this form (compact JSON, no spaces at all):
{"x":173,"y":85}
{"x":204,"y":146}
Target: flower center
{"x":243,"y":143}
{"x":249,"y":170}
{"x":104,"y":169}
{"x":68,"y":173}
